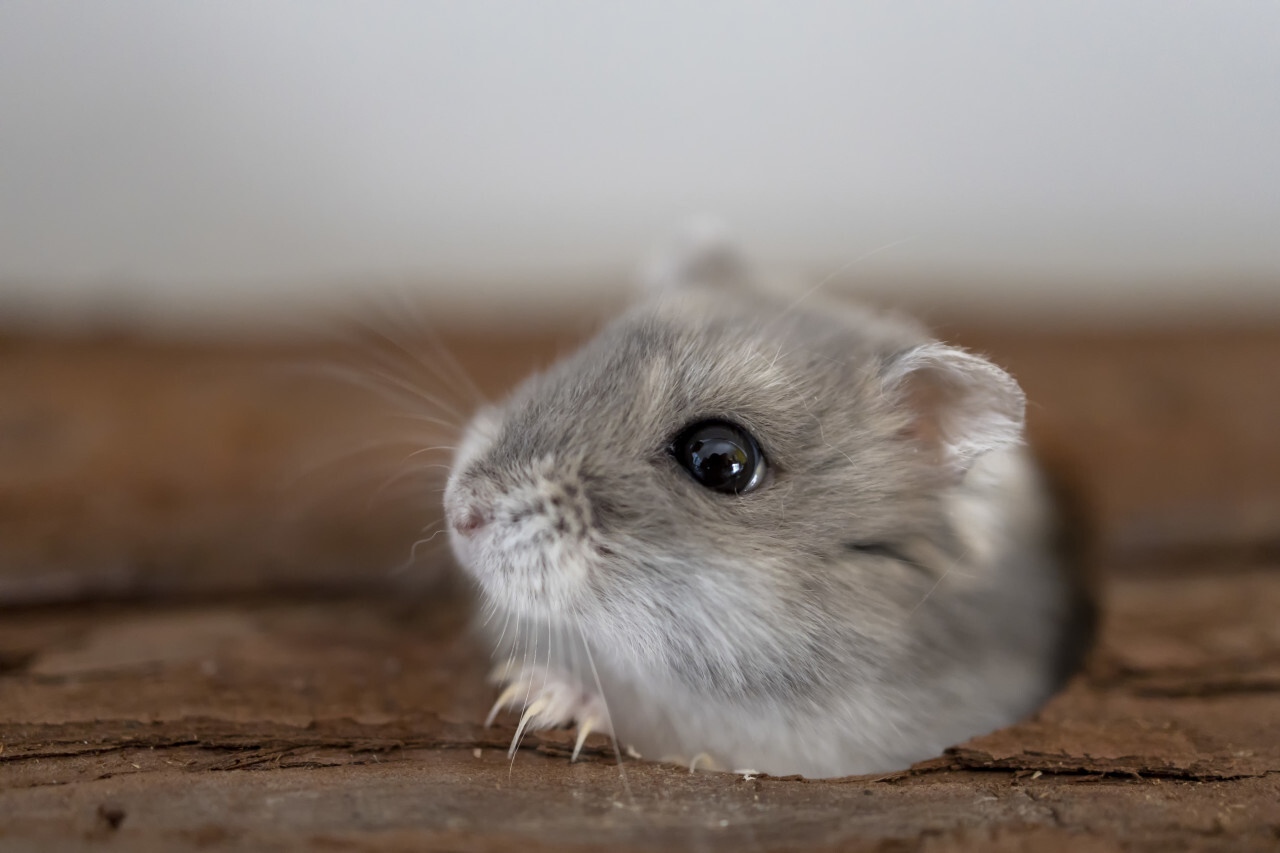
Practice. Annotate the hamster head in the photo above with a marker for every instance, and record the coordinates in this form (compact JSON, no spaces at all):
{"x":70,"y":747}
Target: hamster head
{"x":727,"y":490}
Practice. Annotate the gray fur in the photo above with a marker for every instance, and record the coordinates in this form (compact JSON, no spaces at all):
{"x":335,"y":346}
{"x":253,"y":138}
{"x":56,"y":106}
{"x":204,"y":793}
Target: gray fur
{"x":887,"y":591}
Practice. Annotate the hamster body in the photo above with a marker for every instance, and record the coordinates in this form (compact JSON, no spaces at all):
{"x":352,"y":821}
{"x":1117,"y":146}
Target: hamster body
{"x":787,"y":536}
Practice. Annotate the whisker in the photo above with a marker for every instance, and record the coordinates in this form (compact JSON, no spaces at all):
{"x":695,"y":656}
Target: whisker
{"x":456,"y":372}
{"x":528,"y":696}
{"x":413,"y":551}
{"x":394,"y":389}
{"x":416,"y":470}
{"x":405,"y":416}
{"x":303,"y":471}
{"x":515,"y":644}
{"x":489,"y":609}
{"x":440,"y":447}
{"x":511,"y":751}
{"x":842,"y":268}
{"x":938,"y":582}
{"x":599,"y":689}
{"x":416,"y":394}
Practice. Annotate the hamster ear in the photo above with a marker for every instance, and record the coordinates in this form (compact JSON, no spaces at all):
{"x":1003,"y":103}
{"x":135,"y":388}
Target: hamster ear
{"x":700,"y":253}
{"x":958,"y":402}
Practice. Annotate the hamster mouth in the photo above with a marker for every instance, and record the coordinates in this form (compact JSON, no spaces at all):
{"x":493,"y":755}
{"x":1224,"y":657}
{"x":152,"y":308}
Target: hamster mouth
{"x":547,"y":581}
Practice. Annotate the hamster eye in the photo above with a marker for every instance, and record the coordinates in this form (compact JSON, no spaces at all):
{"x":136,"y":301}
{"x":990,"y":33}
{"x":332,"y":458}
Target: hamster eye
{"x":720,"y":456}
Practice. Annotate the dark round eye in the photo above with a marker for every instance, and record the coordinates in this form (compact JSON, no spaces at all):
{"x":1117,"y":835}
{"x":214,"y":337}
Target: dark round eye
{"x":720,"y":456}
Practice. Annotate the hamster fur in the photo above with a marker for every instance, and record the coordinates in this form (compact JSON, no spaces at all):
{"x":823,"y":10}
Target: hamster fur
{"x":888,"y":589}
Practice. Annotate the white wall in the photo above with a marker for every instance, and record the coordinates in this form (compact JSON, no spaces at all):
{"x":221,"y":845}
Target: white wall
{"x":1104,"y":157}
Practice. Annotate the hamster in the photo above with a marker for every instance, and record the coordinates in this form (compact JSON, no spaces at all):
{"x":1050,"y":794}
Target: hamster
{"x":755,"y":532}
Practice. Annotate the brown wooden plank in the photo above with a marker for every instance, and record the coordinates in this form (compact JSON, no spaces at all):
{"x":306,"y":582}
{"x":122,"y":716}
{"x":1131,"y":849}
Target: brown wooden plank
{"x":193,"y":657}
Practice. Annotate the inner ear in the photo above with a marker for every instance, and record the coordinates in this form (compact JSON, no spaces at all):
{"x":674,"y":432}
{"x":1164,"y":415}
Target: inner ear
{"x":956,"y":402}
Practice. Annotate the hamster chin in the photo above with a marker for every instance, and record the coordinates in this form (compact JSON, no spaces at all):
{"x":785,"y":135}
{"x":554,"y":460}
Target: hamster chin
{"x":794,"y":538}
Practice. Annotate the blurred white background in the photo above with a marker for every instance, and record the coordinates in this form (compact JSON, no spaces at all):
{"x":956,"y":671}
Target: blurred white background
{"x":1048,"y":160}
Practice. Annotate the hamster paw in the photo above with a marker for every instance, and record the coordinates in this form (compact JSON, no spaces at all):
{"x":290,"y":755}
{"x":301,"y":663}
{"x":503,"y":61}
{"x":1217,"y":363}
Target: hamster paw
{"x":550,"y":700}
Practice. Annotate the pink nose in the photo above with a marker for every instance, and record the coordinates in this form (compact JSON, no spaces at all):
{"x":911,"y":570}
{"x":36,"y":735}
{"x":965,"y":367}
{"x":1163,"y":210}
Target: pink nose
{"x":467,"y":519}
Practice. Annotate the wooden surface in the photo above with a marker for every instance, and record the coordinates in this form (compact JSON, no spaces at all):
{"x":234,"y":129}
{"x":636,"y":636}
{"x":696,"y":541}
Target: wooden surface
{"x":210,"y":641}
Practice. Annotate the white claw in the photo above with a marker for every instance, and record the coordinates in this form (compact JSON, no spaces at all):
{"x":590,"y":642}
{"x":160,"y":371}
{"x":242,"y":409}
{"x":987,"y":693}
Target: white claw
{"x":529,"y":713}
{"x":584,"y":729}
{"x":504,"y":700}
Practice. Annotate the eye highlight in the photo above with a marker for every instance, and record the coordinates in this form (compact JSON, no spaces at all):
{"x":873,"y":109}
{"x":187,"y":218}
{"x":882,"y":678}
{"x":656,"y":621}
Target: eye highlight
{"x":721,"y":456}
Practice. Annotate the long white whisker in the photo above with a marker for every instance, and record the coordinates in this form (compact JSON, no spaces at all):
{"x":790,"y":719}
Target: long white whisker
{"x":528,"y":696}
{"x":515,"y":739}
{"x":414,"y":358}
{"x":829,"y":278}
{"x":403,"y":371}
{"x":304,"y":471}
{"x":413,"y":549}
{"x":418,"y":395}
{"x":938,"y":582}
{"x":456,"y":372}
{"x":439,"y":447}
{"x":516,"y":643}
{"x":394,"y":388}
{"x":575,"y":666}
{"x":416,"y":470}
{"x":459,"y":373}
{"x":490,"y":610}
{"x":600,"y":690}
{"x":428,"y":419}
{"x":505,"y":623}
